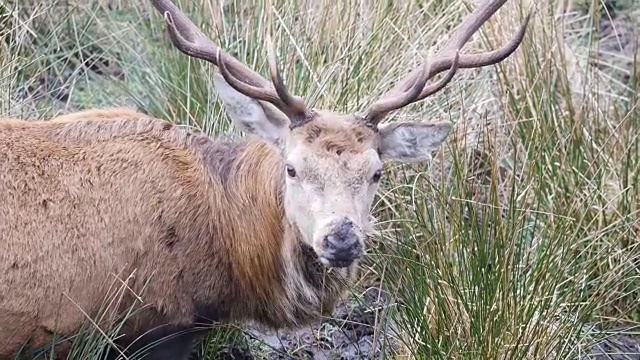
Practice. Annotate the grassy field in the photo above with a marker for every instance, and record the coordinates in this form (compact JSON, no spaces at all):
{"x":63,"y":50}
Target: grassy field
{"x":521,"y":240}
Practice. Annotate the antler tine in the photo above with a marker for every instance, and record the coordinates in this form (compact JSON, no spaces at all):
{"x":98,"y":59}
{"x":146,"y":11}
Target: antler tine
{"x":187,"y":38}
{"x":447,"y":58}
{"x":295,"y":102}
{"x":414,"y":93}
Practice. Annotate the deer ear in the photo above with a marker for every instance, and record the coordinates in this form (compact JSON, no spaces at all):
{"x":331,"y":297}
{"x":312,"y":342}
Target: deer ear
{"x":411,"y":142}
{"x":250,"y":115}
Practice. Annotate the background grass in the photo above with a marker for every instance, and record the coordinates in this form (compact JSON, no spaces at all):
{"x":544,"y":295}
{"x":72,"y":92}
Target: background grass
{"x":519,"y":241}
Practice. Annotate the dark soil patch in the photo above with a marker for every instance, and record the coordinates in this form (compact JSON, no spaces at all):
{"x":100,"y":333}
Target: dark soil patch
{"x":618,"y":347}
{"x":357,"y":331}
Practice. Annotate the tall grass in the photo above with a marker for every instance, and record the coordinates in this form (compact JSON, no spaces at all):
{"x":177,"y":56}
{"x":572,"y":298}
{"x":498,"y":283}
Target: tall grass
{"x":520,"y":240}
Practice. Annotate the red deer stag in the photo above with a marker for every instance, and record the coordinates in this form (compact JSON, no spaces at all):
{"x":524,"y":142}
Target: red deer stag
{"x":214,"y":230}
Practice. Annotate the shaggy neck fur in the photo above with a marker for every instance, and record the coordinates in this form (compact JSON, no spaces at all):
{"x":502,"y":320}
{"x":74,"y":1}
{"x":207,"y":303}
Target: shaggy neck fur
{"x":281,"y":278}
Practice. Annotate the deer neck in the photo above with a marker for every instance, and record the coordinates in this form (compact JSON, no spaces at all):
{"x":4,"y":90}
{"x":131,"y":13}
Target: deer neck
{"x":311,"y":289}
{"x":278,"y":273}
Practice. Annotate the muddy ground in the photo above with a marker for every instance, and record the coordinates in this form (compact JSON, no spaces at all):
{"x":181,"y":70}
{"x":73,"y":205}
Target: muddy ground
{"x":356,"y":331}
{"x":618,"y":347}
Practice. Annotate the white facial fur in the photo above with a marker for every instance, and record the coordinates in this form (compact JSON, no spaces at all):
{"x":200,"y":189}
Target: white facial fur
{"x":326,"y":189}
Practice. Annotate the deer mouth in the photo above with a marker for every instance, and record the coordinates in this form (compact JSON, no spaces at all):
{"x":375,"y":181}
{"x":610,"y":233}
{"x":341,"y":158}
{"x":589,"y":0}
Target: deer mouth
{"x":341,"y":257}
{"x":337,"y":263}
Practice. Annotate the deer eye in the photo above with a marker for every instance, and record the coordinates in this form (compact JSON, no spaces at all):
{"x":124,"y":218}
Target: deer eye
{"x":290,"y":171}
{"x":376,"y":176}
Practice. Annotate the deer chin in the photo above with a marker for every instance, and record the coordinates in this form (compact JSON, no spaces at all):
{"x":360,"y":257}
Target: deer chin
{"x":342,"y":258}
{"x":338,"y":263}
{"x":329,"y":261}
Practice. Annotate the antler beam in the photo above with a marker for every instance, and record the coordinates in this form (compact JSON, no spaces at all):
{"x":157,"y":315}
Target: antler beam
{"x":187,"y":38}
{"x":405,"y":92}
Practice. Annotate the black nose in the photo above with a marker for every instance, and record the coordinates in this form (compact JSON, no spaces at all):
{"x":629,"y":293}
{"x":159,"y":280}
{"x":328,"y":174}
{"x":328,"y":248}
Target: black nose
{"x":343,"y":244}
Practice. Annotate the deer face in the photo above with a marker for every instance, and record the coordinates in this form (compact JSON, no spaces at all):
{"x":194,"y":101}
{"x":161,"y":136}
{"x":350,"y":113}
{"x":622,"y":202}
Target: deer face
{"x":332,"y":172}
{"x":332,"y":163}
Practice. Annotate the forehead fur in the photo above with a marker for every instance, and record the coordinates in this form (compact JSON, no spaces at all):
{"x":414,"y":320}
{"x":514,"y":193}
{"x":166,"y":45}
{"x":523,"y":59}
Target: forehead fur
{"x":333,"y":133}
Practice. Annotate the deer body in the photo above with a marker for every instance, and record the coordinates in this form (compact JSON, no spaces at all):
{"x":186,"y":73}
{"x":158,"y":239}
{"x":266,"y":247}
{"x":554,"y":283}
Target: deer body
{"x":199,"y":222}
{"x":267,"y":228}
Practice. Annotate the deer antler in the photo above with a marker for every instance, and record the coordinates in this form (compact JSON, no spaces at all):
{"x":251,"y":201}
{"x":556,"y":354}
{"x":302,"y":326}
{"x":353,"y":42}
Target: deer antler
{"x":187,"y":38}
{"x":412,"y":87}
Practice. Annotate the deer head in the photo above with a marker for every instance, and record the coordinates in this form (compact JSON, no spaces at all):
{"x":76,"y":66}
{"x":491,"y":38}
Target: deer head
{"x":333,"y":162}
